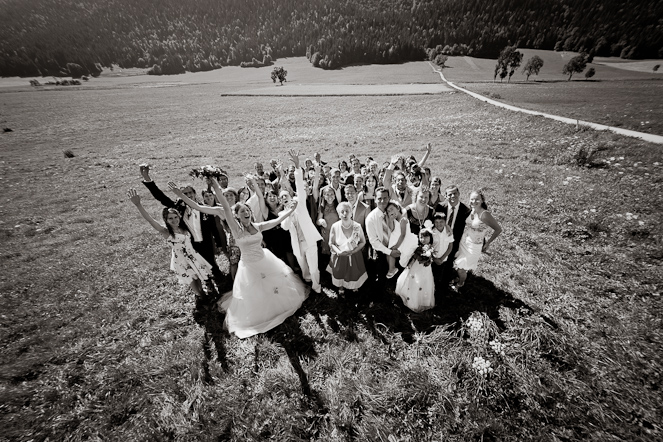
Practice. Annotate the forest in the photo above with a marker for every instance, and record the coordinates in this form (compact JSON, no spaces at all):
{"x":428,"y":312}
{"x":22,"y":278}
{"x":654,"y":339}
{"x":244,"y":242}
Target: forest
{"x":81,"y":37}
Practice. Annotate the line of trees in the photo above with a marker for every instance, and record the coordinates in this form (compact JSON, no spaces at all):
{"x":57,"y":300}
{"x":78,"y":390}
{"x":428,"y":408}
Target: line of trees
{"x":40,"y":37}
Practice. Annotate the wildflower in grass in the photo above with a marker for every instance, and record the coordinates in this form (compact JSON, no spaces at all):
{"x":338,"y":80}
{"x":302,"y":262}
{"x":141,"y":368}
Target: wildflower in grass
{"x":482,"y":366}
{"x":497,"y":346}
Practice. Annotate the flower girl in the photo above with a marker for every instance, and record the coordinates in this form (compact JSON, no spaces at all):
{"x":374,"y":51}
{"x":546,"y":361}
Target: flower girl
{"x":415,"y":286}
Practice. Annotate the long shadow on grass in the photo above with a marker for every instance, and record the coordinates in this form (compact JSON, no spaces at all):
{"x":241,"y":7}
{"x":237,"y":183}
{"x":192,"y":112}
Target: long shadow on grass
{"x":211,"y":319}
{"x":384,"y":313}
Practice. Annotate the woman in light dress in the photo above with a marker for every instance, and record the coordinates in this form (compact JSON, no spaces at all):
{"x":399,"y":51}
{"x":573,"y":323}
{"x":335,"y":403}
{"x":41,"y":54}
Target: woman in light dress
{"x":265,"y":291}
{"x":401,"y":238}
{"x":474,"y":242}
{"x":191,"y":268}
{"x":346,"y":241}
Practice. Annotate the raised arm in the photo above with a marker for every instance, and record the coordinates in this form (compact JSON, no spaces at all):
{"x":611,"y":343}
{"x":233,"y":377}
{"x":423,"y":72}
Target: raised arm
{"x":264,"y":210}
{"x":191,"y":203}
{"x":429,"y":147}
{"x":299,"y":178}
{"x":134,"y":198}
{"x":316,"y":182}
{"x":275,"y":222}
{"x":230,"y":220}
{"x":388,"y":173}
{"x":153,"y":189}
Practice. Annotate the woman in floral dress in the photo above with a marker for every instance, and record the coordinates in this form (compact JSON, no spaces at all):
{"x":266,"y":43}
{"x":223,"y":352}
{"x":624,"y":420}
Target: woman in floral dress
{"x":191,"y":268}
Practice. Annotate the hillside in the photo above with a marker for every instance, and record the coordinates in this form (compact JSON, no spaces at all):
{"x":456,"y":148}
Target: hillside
{"x":42,"y":37}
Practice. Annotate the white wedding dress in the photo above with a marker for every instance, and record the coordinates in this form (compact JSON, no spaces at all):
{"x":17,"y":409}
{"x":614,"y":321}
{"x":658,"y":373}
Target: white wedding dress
{"x":265,"y":292}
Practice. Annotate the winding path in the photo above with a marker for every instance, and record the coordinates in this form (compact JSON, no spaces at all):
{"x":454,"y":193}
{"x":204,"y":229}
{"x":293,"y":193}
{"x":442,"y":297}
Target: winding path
{"x":629,"y":133}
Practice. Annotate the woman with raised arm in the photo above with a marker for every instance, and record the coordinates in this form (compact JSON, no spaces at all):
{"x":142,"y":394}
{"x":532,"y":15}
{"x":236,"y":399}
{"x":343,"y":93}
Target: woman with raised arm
{"x":191,"y":268}
{"x":474,"y":242}
{"x":266,"y":291}
{"x":277,"y":240}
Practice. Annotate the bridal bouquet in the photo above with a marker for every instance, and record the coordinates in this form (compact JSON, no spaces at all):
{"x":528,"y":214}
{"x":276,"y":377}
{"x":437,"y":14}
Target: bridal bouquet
{"x":424,"y":254}
{"x":208,"y":172}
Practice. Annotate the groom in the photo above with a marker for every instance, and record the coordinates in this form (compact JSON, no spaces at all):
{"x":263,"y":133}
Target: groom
{"x":455,"y":213}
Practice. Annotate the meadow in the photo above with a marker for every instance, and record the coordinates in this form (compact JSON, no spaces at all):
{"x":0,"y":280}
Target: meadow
{"x":98,"y":341}
{"x":621,"y":93}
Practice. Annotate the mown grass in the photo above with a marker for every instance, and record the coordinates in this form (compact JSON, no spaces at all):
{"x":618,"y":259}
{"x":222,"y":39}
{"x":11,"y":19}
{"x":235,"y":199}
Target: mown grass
{"x":615,"y":97}
{"x":100,"y":343}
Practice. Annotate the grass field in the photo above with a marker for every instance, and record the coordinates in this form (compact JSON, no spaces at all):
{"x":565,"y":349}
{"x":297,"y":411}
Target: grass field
{"x":614,"y":96}
{"x":98,"y":341}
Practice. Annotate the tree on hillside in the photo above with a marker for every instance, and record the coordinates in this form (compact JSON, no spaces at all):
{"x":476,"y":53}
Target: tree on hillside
{"x":590,"y":73}
{"x":533,"y":66}
{"x":279,"y":74}
{"x":575,"y":65}
{"x":508,"y":61}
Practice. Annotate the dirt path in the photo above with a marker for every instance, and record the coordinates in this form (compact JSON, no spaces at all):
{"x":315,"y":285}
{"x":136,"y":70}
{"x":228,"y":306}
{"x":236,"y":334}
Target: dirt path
{"x":629,"y":133}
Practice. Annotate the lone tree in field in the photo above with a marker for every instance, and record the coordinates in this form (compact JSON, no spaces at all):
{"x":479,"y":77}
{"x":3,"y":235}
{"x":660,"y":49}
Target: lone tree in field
{"x":279,"y":74}
{"x":533,"y":66}
{"x":590,"y":73}
{"x":575,"y":65}
{"x":509,"y":60}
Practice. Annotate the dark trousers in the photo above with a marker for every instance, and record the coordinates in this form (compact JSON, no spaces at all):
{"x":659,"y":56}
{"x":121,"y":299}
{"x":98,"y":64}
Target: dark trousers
{"x":377,"y":277}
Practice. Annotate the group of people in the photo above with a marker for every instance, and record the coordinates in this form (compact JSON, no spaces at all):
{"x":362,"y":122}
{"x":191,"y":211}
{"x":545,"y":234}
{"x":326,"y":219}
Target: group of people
{"x":361,"y":223}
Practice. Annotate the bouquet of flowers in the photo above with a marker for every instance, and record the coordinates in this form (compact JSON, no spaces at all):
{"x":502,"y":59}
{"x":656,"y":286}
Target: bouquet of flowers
{"x":424,"y":254}
{"x":208,"y":172}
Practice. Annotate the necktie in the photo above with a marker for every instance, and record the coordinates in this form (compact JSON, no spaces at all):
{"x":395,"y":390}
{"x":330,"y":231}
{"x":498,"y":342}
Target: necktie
{"x":385,"y":231}
{"x":451,"y":216}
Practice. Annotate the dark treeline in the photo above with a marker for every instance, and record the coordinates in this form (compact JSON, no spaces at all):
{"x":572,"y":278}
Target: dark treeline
{"x":41,"y":37}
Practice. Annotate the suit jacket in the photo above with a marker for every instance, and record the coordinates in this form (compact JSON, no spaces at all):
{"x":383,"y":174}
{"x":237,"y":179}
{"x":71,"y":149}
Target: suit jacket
{"x":341,"y":185}
{"x":360,"y":214}
{"x":208,"y":225}
{"x":459,"y":226}
{"x":302,"y":217}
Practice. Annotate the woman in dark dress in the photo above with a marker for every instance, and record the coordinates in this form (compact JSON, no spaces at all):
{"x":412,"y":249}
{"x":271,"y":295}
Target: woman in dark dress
{"x":419,"y":212}
{"x":276,"y":239}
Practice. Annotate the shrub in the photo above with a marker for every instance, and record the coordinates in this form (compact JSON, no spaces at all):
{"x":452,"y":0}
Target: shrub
{"x":656,"y":67}
{"x":279,"y":74}
{"x":68,"y":153}
{"x":315,"y":59}
{"x":590,"y":73}
{"x":155,"y":70}
{"x":441,"y":60}
{"x":35,"y":83}
{"x":97,"y":70}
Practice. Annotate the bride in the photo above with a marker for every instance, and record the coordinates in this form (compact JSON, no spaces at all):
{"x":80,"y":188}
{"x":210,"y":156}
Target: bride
{"x":266,"y":291}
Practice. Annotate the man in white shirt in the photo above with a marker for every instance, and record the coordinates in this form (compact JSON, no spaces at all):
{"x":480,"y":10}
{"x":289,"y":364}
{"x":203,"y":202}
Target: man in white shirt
{"x":378,"y":232}
{"x":304,"y":236}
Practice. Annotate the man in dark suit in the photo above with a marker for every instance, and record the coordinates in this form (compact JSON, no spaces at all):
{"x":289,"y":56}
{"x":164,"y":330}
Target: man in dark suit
{"x":336,"y":185}
{"x":359,"y":209}
{"x":455,"y":213}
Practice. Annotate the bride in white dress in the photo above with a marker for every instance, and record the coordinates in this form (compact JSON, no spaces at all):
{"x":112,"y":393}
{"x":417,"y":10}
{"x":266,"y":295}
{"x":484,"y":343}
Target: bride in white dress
{"x":265,"y":291}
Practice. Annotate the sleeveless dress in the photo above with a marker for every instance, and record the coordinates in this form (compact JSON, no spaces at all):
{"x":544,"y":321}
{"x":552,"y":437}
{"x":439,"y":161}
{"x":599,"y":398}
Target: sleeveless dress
{"x":407,"y":247}
{"x":469,"y":252}
{"x":276,"y":239}
{"x":347,"y":271}
{"x":330,"y":215}
{"x":265,"y":292}
{"x":416,"y":287}
{"x":186,"y":262}
{"x":416,"y":224}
